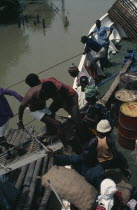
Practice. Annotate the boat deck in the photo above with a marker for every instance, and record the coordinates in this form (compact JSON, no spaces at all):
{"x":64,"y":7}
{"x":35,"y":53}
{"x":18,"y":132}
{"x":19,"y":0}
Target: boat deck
{"x":116,"y":67}
{"x":117,"y":61}
{"x":32,"y":194}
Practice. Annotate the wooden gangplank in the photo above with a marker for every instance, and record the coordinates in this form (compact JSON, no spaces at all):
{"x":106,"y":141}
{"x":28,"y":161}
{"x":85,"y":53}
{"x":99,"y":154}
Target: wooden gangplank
{"x":114,"y":85}
{"x":33,"y":150}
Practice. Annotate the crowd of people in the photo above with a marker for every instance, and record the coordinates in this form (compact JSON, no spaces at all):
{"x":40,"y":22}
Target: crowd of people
{"x":97,"y":149}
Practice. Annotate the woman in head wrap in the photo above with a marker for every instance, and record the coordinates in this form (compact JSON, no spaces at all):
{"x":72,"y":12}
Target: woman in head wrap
{"x":110,"y":198}
{"x":96,"y":110}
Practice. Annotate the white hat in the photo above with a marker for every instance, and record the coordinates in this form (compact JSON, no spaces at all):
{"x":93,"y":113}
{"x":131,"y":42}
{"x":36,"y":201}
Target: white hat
{"x":103,"y":126}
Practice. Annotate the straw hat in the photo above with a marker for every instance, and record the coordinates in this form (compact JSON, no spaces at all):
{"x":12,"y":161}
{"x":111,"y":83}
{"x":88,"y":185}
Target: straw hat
{"x":103,"y":126}
{"x":73,"y":68}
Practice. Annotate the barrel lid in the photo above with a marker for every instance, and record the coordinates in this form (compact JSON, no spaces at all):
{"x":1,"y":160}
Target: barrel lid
{"x":129,"y":109}
{"x":126,"y":95}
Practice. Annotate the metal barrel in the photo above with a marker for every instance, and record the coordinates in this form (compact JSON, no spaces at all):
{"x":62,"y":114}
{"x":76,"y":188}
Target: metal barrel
{"x":125,"y":143}
{"x":128,"y":125}
{"x":128,"y":80}
{"x":122,"y":96}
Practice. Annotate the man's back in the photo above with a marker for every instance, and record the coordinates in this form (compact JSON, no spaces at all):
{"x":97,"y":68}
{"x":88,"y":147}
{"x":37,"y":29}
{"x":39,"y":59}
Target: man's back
{"x":59,"y":84}
{"x":33,"y":100}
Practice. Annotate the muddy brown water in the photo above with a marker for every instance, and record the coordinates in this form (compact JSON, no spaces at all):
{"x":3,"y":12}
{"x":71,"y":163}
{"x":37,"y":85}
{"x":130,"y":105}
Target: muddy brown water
{"x":30,"y":49}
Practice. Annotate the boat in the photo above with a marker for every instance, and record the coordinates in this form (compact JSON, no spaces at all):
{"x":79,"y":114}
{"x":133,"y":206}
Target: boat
{"x":25,"y":177}
{"x":121,"y":50}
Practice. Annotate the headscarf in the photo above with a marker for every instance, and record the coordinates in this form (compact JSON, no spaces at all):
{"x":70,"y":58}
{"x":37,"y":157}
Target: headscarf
{"x":108,"y":189}
{"x":91,"y":91}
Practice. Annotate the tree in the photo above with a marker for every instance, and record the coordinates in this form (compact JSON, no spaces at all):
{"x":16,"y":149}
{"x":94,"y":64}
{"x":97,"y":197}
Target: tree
{"x":9,"y":11}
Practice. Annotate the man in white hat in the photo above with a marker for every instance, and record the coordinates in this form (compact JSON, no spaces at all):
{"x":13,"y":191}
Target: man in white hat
{"x":108,"y":155}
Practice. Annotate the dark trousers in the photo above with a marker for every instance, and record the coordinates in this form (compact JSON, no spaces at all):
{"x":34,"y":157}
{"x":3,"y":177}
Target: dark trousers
{"x":112,"y":164}
{"x":104,"y":62}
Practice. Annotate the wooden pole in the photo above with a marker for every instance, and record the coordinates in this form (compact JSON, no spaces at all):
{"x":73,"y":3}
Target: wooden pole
{"x":63,"y":5}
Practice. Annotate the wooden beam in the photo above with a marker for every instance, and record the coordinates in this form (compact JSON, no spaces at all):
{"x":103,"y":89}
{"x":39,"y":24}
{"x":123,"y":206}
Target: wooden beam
{"x":28,"y":158}
{"x":114,"y":85}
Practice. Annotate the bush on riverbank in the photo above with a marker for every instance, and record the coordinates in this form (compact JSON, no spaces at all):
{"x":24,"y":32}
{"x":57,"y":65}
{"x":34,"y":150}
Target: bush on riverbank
{"x":9,"y":10}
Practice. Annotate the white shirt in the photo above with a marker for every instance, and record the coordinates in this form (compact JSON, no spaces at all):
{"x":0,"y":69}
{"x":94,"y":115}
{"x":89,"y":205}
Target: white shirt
{"x":81,"y":97}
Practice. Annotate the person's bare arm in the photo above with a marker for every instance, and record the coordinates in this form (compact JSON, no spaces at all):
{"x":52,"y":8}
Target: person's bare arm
{"x":110,"y":32}
{"x":91,"y":34}
{"x":22,"y":107}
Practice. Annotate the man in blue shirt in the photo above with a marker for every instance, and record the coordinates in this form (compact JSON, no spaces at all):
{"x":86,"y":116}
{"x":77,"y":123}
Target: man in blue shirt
{"x":91,"y":44}
{"x":103,"y":34}
{"x":86,"y":164}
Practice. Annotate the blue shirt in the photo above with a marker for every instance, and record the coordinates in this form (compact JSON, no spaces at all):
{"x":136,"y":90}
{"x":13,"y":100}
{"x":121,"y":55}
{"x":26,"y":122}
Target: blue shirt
{"x":5,"y":110}
{"x":93,"y":175}
{"x":102,"y":34}
{"x":93,"y":45}
{"x":101,"y":111}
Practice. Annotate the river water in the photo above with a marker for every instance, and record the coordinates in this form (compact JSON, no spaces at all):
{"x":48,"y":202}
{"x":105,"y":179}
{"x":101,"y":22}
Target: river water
{"x":30,"y":49}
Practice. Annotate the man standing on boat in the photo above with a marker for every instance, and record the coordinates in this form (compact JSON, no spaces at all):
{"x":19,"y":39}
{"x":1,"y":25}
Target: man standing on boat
{"x":103,"y":34}
{"x":63,"y":96}
{"x":91,"y":44}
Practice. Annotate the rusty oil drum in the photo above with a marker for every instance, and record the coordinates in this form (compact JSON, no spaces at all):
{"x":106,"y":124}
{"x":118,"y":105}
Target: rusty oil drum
{"x":128,"y":125}
{"x":121,"y":96}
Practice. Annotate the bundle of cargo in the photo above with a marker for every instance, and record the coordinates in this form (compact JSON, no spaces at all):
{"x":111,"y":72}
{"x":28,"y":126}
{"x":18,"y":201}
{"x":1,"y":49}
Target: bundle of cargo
{"x":71,"y":186}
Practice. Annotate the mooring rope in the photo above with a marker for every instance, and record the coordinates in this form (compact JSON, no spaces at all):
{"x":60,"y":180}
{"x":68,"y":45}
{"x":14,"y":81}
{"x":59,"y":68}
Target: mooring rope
{"x":47,"y":69}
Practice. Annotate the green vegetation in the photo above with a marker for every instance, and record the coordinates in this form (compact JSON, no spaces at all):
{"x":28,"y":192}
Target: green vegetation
{"x":9,"y":10}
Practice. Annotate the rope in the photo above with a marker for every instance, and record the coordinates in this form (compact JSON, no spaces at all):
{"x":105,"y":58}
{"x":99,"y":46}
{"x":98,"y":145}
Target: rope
{"x":47,"y":69}
{"x":108,"y":79}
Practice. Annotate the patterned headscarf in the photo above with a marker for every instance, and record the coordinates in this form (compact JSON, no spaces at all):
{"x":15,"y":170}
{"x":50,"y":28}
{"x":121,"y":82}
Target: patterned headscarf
{"x":91,"y":91}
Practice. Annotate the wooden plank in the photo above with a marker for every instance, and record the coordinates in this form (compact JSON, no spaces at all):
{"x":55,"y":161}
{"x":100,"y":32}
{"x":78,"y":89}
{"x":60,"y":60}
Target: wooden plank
{"x":27,"y":182}
{"x":30,"y":195}
{"x":40,"y":188}
{"x":47,"y":192}
{"x":29,"y":158}
{"x":114,"y":85}
{"x":21,"y":177}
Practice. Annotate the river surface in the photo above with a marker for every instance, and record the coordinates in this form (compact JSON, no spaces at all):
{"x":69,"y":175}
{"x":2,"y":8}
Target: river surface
{"x":30,"y":49}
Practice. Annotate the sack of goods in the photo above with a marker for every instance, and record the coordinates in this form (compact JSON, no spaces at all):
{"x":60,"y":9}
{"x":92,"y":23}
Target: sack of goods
{"x":71,"y":186}
{"x":122,"y":183}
